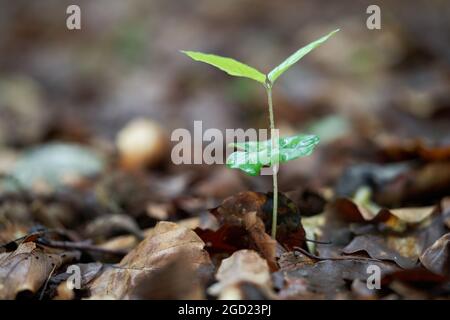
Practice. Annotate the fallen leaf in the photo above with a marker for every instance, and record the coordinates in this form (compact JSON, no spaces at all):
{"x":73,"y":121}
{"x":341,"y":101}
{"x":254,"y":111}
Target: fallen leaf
{"x":164,"y":242}
{"x":248,"y":232}
{"x":330,"y":276}
{"x":412,"y":215}
{"x":417,"y":283}
{"x":437,"y":257}
{"x":242,"y":266}
{"x":27,"y":268}
{"x":175,"y":280}
{"x":376,"y":247}
{"x":290,"y":232}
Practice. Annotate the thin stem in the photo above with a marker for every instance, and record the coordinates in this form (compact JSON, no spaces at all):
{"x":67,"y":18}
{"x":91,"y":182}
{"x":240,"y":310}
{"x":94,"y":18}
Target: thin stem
{"x":274,"y":167}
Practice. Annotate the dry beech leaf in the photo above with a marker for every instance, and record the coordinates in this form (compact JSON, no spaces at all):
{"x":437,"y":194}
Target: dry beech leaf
{"x":412,"y":215}
{"x":128,"y":242}
{"x":330,"y":276}
{"x":248,"y":232}
{"x":347,"y":210}
{"x":290,"y":232}
{"x":174,"y":281}
{"x":164,"y":242}
{"x":242,"y":266}
{"x":245,"y":220}
{"x":437,"y":257}
{"x":350,"y":211}
{"x":376,"y":247}
{"x":27,"y":269}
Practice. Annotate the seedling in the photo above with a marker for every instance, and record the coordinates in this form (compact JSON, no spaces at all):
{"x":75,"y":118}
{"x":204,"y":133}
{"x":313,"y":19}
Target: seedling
{"x":270,"y":153}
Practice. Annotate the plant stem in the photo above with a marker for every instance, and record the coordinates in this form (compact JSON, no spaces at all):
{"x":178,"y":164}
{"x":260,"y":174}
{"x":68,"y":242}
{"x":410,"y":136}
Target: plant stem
{"x":274,"y":167}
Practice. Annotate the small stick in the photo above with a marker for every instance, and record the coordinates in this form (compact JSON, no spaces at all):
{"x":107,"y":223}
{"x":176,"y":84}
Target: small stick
{"x":79,"y":246}
{"x":41,"y":296}
{"x":313,"y":256}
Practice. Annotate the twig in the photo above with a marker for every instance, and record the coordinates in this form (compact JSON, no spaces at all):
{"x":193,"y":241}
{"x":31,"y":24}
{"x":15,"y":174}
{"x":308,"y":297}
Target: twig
{"x":41,"y":296}
{"x":79,"y":246}
{"x":313,"y":256}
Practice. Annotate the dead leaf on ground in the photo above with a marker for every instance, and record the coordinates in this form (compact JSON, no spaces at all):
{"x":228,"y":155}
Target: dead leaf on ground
{"x":417,"y":283}
{"x":413,"y":214}
{"x":242,"y":266}
{"x":437,"y":257}
{"x":350,"y":211}
{"x":163,"y":243}
{"x":330,"y":277}
{"x":376,"y":247}
{"x":175,"y":280}
{"x":245,"y":220}
{"x":27,"y":268}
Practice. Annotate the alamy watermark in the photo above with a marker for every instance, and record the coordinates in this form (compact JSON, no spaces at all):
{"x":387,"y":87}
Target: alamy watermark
{"x":191,"y":149}
{"x":73,"y":21}
{"x":374,"y":20}
{"x":74,"y":280}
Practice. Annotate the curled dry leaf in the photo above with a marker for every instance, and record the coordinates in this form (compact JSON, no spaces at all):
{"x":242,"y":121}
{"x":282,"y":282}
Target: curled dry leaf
{"x":376,"y":247}
{"x":412,"y":215}
{"x":175,"y":280}
{"x":331,"y":276}
{"x":248,"y":232}
{"x":242,"y":266}
{"x":245,"y":220}
{"x":162,"y":244}
{"x":437,"y":257}
{"x":351,"y":211}
{"x":290,"y":232}
{"x":27,"y":269}
{"x":410,"y":284}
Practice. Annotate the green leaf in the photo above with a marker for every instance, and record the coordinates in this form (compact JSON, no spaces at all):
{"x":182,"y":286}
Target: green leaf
{"x":255,"y":155}
{"x":230,"y":66}
{"x":295,"y":57}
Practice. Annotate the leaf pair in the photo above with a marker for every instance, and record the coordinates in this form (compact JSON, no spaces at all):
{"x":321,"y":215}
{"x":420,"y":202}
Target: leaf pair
{"x":257,"y":154}
{"x":239,"y":69}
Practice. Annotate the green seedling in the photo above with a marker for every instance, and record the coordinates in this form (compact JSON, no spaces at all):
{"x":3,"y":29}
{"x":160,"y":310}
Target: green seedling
{"x":257,"y":154}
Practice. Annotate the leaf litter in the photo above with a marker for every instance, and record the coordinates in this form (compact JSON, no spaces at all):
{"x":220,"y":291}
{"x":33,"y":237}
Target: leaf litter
{"x":86,"y":181}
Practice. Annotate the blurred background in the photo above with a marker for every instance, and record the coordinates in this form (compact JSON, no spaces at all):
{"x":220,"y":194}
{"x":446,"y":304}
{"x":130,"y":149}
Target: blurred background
{"x":373,"y":96}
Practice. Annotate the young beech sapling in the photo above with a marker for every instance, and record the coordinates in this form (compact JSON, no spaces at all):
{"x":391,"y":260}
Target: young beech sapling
{"x":270,"y":153}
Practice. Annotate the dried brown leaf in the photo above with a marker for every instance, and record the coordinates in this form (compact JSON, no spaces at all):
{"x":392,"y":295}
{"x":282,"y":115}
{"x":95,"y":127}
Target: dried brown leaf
{"x":163,"y":243}
{"x":27,"y":269}
{"x":437,"y":257}
{"x":378,"y":248}
{"x":242,"y":266}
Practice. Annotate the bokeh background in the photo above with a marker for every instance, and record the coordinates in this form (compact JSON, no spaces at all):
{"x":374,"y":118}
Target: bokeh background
{"x":364,"y":91}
